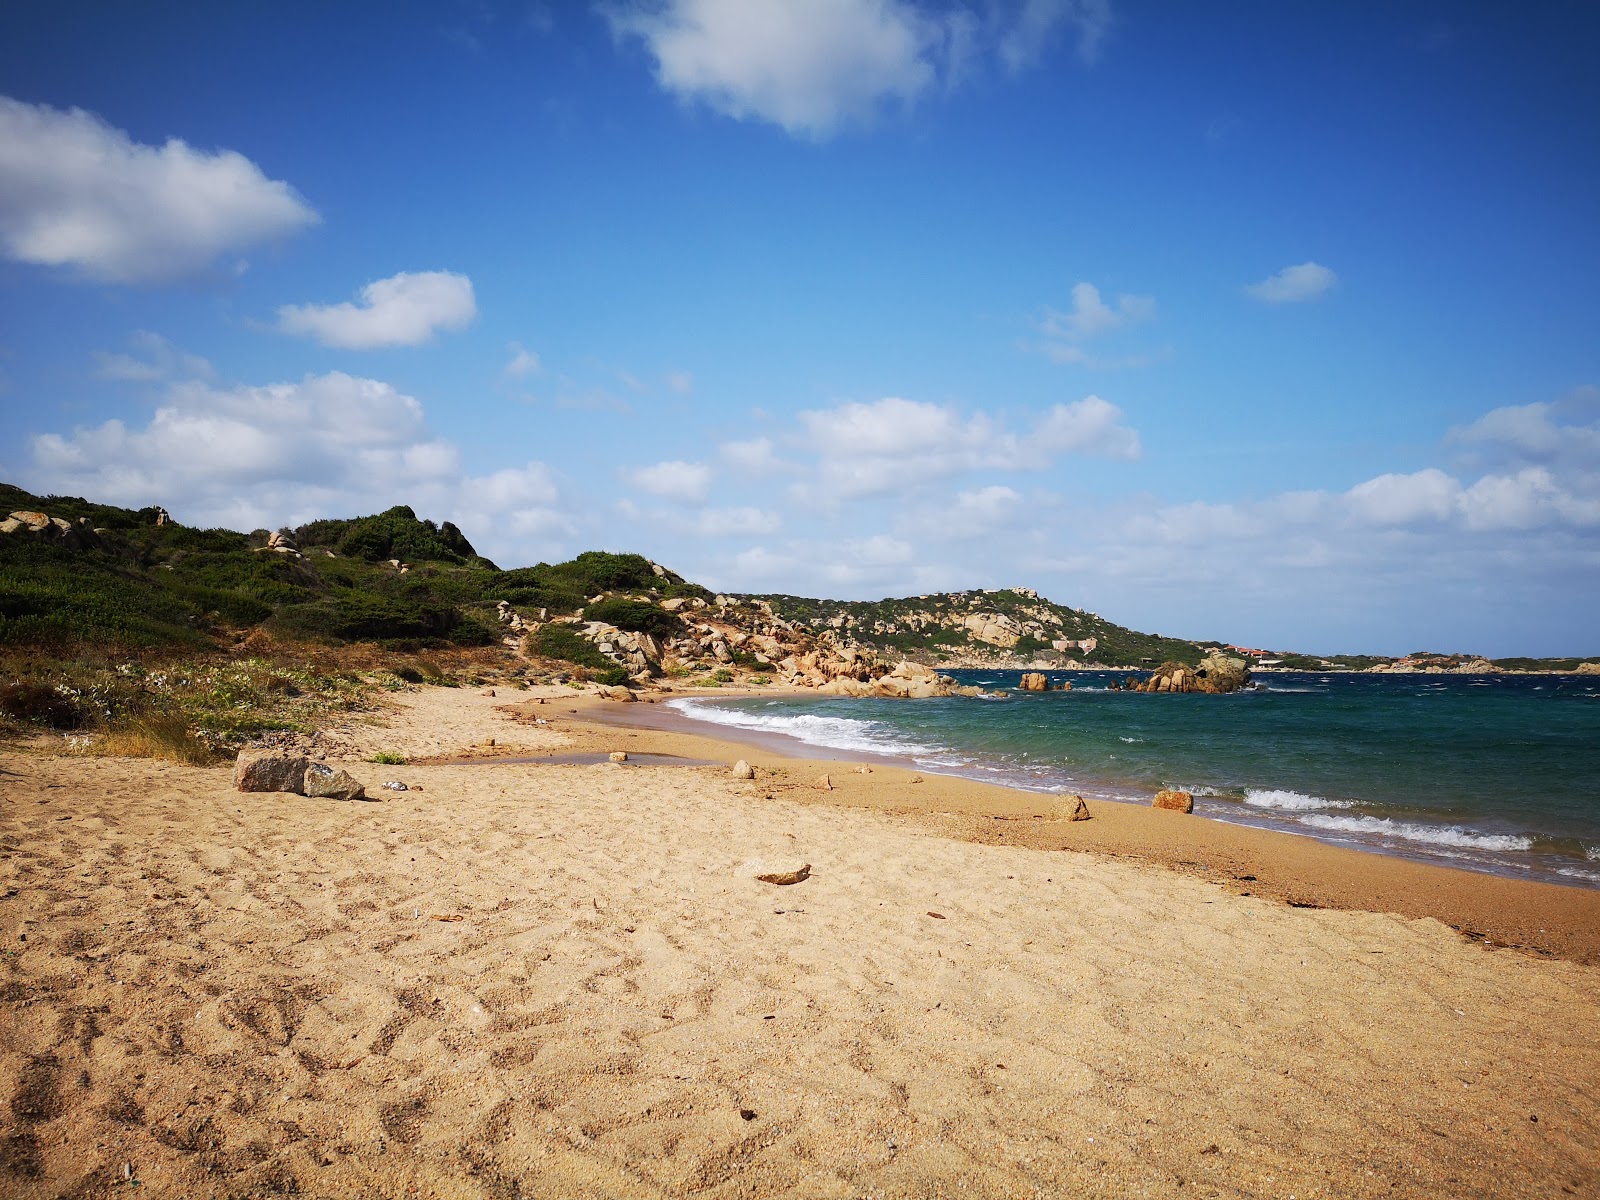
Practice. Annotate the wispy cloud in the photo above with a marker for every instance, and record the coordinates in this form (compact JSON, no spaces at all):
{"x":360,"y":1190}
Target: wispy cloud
{"x":1067,"y":334}
{"x":1292,"y":285}
{"x":524,"y":362}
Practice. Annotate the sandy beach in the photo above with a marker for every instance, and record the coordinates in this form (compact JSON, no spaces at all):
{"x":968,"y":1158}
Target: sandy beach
{"x":561,"y":979}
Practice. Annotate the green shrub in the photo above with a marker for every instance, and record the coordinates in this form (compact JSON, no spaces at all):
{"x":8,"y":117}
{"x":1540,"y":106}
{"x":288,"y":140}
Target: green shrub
{"x":563,"y":642}
{"x":612,"y":676}
{"x":636,"y":616}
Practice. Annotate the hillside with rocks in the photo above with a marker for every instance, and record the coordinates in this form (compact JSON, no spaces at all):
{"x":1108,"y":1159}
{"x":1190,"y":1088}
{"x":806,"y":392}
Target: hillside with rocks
{"x":78,"y":576}
{"x":1012,"y":627}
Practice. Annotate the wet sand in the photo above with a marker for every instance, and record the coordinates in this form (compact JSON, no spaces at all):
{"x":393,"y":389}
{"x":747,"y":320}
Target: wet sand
{"x":530,"y":979}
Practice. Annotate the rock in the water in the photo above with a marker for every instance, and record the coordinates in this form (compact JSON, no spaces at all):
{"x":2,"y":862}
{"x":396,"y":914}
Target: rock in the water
{"x":1034,"y":681}
{"x":1217,"y":675}
{"x":323,"y":782}
{"x":269,"y":771}
{"x":743,"y":770}
{"x":1176,"y":801}
{"x":1071,"y":808}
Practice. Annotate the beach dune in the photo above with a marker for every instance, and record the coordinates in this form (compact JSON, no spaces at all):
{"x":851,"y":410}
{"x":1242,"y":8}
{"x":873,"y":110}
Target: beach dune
{"x":563,"y":980}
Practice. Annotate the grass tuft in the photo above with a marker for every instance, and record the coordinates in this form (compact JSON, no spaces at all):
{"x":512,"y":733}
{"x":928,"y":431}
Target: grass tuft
{"x":165,"y":736}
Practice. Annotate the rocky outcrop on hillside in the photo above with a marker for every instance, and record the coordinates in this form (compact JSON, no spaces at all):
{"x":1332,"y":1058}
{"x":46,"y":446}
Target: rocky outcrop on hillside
{"x":26,"y":523}
{"x":1006,"y":628}
{"x":739,"y":635}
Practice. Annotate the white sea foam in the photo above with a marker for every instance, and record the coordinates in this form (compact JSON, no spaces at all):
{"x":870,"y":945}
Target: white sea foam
{"x":836,"y":733}
{"x":1592,"y":853}
{"x":1196,"y":789}
{"x":1130,"y":741}
{"x":1433,"y":835}
{"x":1287,"y":801}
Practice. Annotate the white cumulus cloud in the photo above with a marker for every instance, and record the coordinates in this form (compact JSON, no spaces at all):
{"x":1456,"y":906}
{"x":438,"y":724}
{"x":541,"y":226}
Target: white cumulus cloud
{"x":813,"y":66}
{"x":1305,"y":281}
{"x":754,"y":456}
{"x":404,"y":310}
{"x":807,"y":67}
{"x":895,"y":444}
{"x":1403,"y":499}
{"x":284,"y":453}
{"x":76,"y":192}
{"x":684,"y":482}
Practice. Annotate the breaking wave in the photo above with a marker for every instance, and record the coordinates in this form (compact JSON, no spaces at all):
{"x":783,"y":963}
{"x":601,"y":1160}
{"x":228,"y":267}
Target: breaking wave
{"x":1287,"y":801}
{"x":1432,"y":835}
{"x":834,"y":733}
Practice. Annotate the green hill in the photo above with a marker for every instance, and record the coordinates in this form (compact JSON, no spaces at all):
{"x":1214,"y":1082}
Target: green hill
{"x":117,"y":577}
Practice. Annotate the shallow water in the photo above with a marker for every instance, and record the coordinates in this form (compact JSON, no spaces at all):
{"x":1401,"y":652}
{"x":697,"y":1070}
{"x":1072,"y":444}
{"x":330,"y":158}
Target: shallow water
{"x":1489,"y":772}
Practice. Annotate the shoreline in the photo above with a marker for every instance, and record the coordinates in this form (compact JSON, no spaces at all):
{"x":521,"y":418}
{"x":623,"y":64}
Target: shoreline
{"x":537,"y":971}
{"x":1498,"y":911}
{"x":1421,"y":837}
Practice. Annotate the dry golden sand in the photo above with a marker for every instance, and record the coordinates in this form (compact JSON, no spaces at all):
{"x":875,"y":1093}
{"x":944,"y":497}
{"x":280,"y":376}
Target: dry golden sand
{"x":252,"y":995}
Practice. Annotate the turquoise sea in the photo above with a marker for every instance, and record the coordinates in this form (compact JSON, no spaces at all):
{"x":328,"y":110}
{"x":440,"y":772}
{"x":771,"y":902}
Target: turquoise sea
{"x":1496,"y":773}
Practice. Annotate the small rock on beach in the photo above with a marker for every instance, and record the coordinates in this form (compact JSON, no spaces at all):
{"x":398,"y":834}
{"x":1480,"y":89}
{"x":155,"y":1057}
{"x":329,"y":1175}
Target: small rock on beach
{"x":322,"y":781}
{"x":1176,"y":801}
{"x":1072,"y":808}
{"x":269,"y":771}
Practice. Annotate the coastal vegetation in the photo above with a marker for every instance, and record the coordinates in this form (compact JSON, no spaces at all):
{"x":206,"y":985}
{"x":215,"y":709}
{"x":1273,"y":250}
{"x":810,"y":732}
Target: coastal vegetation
{"x":124,"y":628}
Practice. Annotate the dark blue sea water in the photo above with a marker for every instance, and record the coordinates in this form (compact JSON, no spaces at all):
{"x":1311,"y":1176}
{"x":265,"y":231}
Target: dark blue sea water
{"x":1493,"y":772}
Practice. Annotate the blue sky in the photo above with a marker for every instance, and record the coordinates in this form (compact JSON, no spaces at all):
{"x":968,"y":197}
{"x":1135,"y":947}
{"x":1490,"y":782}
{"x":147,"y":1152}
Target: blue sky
{"x":1254,"y":321}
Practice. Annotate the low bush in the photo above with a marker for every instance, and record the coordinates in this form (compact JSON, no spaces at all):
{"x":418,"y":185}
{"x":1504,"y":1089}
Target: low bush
{"x":564,"y":642}
{"x":636,"y":616}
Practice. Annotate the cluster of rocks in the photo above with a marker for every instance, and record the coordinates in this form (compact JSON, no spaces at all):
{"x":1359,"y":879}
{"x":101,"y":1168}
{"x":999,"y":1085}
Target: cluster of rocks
{"x":275,"y":771}
{"x":75,"y":533}
{"x":1217,"y":675}
{"x":1436,"y":666}
{"x":1037,"y":681}
{"x":905,"y":681}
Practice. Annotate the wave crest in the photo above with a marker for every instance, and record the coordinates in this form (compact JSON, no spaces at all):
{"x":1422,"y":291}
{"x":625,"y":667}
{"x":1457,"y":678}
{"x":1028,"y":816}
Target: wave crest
{"x":1286,"y":801}
{"x":835,"y":733}
{"x":1433,"y":835}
